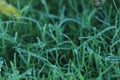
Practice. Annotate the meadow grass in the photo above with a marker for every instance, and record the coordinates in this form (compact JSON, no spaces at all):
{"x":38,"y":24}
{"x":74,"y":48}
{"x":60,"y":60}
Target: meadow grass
{"x":61,"y":40}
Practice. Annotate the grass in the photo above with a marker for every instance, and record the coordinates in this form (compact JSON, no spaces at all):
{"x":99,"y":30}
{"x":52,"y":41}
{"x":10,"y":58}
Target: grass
{"x":61,"y":40}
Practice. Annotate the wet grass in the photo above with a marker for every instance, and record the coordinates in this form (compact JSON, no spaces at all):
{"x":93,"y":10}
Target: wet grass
{"x":61,"y":40}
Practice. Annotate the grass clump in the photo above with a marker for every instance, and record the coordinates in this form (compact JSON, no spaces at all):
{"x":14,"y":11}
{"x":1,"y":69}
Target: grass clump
{"x":60,"y":40}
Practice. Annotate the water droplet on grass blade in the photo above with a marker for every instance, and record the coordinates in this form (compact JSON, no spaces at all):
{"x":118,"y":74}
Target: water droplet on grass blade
{"x":98,"y":3}
{"x":1,"y":63}
{"x":113,"y":59}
